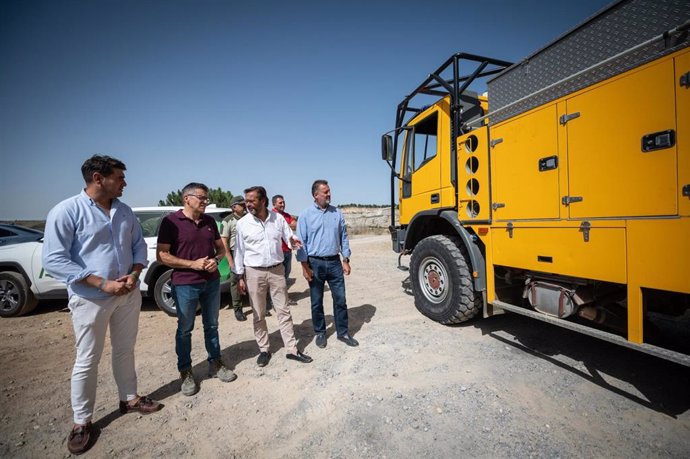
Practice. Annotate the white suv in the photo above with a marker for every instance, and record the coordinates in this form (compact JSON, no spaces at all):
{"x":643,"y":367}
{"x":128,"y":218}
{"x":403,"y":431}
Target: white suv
{"x":23,"y":281}
{"x":155,"y":280}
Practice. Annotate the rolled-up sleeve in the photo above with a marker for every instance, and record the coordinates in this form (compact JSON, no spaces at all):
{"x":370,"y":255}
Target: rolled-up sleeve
{"x":139,"y":247}
{"x":303,"y":236}
{"x":344,"y":241}
{"x":57,"y":246}
{"x":239,"y":251}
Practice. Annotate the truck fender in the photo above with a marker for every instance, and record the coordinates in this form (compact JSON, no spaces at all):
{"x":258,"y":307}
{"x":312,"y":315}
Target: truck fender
{"x":451,"y":216}
{"x":476,"y":257}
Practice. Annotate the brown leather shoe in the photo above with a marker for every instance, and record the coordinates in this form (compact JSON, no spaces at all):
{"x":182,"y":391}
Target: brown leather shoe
{"x":144,"y":405}
{"x":79,"y":439}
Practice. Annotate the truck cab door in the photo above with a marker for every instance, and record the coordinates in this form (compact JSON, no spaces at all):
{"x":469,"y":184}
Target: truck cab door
{"x":420,"y":168}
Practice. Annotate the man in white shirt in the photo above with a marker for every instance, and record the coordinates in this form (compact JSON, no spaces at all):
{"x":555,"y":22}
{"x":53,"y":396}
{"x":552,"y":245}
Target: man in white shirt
{"x":259,"y":267}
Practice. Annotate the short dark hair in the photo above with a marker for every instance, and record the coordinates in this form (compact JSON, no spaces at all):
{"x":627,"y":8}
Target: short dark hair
{"x":259,"y":190}
{"x":102,"y":164}
{"x":317,"y":183}
{"x":276,"y":197}
{"x":190,"y":188}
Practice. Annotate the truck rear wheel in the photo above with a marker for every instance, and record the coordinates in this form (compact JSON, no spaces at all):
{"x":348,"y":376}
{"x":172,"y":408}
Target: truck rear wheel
{"x":16,"y":298}
{"x":442,"y":280}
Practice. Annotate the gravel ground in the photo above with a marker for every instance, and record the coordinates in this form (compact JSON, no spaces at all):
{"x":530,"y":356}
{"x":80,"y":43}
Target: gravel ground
{"x":500,"y":387}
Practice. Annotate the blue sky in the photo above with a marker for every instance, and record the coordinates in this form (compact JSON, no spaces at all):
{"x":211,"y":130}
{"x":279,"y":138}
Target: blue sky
{"x":230,"y":93}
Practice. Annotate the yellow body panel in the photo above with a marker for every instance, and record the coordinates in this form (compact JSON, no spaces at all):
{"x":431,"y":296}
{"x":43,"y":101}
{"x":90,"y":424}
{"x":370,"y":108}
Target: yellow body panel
{"x":519,"y":189}
{"x":606,"y":165}
{"x":659,"y":254}
{"x":563,"y":251}
{"x":658,"y":258}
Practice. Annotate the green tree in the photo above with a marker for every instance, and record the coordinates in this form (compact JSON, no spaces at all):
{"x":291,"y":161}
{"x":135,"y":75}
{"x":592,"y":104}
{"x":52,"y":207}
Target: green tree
{"x":216,"y":196}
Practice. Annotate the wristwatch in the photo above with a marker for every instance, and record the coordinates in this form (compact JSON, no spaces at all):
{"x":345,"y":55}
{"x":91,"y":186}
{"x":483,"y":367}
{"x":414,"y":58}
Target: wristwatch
{"x":346,"y":259}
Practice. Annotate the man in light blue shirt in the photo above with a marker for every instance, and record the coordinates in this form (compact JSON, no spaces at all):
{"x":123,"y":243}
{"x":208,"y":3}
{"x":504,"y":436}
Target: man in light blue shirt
{"x":321,"y":227}
{"x":94,"y":244}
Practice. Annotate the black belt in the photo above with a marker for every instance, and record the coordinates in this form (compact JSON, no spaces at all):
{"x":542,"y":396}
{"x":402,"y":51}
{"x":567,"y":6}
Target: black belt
{"x":265,"y":267}
{"x":331,"y":258}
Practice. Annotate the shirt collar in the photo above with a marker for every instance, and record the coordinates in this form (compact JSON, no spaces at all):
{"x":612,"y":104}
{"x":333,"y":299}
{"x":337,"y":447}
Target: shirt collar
{"x":271,"y":214}
{"x":114,"y":203}
{"x":323,"y":211}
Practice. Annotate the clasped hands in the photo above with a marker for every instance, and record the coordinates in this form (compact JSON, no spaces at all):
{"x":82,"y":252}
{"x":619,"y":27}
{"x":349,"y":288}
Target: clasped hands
{"x":205,"y":264}
{"x":120,"y":286}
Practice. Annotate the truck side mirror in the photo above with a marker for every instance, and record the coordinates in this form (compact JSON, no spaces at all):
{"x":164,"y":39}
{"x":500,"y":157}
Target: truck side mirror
{"x":387,"y":148}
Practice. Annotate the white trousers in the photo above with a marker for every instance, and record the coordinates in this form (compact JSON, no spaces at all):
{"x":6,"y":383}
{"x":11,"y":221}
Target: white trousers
{"x":91,"y":319}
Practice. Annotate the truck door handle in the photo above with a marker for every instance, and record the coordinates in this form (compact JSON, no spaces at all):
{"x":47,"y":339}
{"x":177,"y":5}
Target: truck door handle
{"x":435,"y":198}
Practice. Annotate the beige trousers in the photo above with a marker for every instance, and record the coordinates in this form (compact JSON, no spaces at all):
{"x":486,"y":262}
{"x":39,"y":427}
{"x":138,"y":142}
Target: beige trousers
{"x":260,"y":281}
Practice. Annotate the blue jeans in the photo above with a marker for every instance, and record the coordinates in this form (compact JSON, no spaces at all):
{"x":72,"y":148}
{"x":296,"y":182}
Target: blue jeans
{"x":186,"y":298}
{"x":330,"y":271}
{"x":287,"y":263}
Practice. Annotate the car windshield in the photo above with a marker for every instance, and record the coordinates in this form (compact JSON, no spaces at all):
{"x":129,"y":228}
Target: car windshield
{"x":150,"y":221}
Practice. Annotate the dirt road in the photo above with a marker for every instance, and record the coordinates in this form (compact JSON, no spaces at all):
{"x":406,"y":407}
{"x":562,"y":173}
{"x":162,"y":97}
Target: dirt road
{"x":500,"y":387}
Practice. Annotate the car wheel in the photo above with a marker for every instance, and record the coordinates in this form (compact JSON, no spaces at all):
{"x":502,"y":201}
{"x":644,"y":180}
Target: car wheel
{"x":16,"y":298}
{"x":162,"y":294}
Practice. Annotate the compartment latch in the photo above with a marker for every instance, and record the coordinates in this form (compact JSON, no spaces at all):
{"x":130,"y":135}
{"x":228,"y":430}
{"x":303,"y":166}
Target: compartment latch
{"x":584,"y":227}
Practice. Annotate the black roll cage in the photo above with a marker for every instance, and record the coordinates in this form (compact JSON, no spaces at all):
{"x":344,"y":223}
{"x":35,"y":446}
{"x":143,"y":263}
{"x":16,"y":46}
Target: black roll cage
{"x":455,"y":87}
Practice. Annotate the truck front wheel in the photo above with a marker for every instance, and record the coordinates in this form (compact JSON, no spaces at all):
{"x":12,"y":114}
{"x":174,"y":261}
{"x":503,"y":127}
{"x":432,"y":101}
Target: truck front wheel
{"x":442,"y":280}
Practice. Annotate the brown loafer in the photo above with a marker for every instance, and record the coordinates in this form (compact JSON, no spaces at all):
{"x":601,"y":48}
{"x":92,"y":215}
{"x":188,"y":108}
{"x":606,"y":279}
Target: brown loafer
{"x":144,"y":405}
{"x":79,"y":439}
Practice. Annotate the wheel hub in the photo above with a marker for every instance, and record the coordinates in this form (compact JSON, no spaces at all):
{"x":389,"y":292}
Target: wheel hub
{"x":433,"y":280}
{"x":8,"y":296}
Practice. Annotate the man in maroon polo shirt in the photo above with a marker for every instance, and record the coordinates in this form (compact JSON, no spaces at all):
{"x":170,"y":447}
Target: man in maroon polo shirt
{"x":189,"y":242}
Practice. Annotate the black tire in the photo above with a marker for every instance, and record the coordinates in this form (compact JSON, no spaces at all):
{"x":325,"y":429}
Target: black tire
{"x":441,"y":279}
{"x":16,"y":299}
{"x":162,"y":294}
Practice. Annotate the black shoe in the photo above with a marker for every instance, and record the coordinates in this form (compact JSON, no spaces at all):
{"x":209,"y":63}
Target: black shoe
{"x":268,"y":313}
{"x":302,"y":358}
{"x":263,"y":359}
{"x":239,"y":315}
{"x":321,"y":340}
{"x":349,"y":340}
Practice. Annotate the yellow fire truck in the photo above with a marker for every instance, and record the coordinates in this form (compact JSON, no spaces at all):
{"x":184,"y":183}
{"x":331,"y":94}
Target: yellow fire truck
{"x":563,"y":193}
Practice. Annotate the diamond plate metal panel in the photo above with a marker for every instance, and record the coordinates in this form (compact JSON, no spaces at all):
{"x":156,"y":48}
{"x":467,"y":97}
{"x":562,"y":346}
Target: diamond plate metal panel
{"x":618,"y":28}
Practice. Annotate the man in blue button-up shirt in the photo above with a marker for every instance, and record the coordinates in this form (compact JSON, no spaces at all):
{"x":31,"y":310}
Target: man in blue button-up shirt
{"x":321,"y":227}
{"x":94,"y":244}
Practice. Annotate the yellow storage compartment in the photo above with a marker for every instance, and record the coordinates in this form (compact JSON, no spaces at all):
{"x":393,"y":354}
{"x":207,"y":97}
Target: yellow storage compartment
{"x":588,"y":252}
{"x":524,"y":167}
{"x":622,"y":146}
{"x":682,"y":65}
